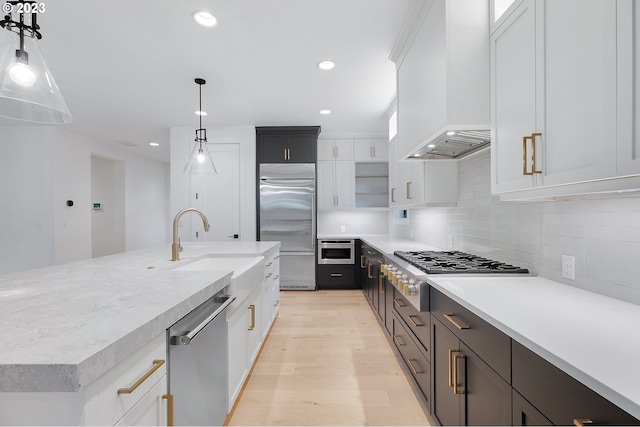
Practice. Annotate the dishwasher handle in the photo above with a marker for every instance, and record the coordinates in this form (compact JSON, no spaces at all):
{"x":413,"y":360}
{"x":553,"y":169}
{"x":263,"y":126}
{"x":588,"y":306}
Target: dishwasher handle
{"x":184,"y":338}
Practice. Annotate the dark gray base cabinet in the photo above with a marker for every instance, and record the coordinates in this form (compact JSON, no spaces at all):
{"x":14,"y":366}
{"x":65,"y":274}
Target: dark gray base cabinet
{"x":558,"y":396}
{"x":466,"y":390}
{"x":336,"y":276}
{"x":414,"y":355}
{"x":418,"y":322}
{"x":525,"y":414}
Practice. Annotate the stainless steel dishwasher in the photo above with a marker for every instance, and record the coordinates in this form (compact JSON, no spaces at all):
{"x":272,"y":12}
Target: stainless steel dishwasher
{"x":197,"y":363}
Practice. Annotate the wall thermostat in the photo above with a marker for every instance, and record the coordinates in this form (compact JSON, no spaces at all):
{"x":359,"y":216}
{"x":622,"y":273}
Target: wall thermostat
{"x":97,"y":206}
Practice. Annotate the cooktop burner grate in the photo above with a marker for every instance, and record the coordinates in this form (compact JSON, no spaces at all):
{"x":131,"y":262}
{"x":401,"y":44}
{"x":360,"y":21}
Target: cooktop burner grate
{"x":447,"y":262}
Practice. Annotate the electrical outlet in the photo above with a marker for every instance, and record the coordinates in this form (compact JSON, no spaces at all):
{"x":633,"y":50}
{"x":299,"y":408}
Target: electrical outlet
{"x":568,"y":267}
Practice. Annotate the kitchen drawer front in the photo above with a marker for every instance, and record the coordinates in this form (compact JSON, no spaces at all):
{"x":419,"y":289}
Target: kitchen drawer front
{"x":560,"y":397}
{"x":525,"y":414}
{"x":493,"y":346}
{"x":272,"y":268}
{"x":336,"y":275}
{"x":418,"y":322}
{"x":413,"y":355}
{"x":113,"y":405}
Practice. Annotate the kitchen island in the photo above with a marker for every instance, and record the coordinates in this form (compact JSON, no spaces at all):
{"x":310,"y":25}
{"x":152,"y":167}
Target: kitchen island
{"x":65,"y":326}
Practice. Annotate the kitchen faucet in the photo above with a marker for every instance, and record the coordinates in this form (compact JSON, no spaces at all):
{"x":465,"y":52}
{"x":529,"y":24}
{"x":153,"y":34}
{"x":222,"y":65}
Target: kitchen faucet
{"x":175,"y":247}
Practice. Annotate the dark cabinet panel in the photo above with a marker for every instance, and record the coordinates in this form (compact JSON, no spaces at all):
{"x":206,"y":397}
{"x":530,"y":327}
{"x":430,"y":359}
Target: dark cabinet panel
{"x":336,"y":276}
{"x":493,"y":346}
{"x":418,"y":322}
{"x":466,"y":390}
{"x":525,"y":414}
{"x":413,"y":354}
{"x":287,"y":144}
{"x":560,"y":397}
{"x":388,"y":320}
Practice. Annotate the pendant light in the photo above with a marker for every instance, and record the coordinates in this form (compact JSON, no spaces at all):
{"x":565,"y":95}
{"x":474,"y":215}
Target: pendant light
{"x":27,"y":88}
{"x":200,"y":161}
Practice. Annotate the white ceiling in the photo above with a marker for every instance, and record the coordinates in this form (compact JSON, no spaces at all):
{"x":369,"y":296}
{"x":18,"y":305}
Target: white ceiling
{"x":126,"y":68}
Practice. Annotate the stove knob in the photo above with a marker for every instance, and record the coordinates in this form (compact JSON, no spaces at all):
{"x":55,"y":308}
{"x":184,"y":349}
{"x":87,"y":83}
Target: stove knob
{"x":383,"y":269}
{"x":400,"y":284}
{"x":413,"y":287}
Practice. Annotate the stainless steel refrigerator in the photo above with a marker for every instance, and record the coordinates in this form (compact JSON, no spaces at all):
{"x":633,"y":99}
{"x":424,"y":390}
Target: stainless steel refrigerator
{"x":287,"y":213}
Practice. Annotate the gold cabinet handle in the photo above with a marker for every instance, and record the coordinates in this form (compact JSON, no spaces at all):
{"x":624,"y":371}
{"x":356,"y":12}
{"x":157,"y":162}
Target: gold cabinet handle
{"x":410,"y":317}
{"x":169,"y":399}
{"x":413,"y":368}
{"x":336,"y":274}
{"x":581,"y":421}
{"x":393,"y":195}
{"x":252,"y":309}
{"x":276,"y":304}
{"x":398,"y":343}
{"x":157,"y":363}
{"x":456,"y":358}
{"x":381,"y":283}
{"x":409,"y":188}
{"x":524,"y":155}
{"x":269,"y":264}
{"x":450,"y":366}
{"x":268,"y":275}
{"x":362,"y":261}
{"x":369,"y":273}
{"x":460,"y":326}
{"x":533,"y":152}
{"x":398,"y":303}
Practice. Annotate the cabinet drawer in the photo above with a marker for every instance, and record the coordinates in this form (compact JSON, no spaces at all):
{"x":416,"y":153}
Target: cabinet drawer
{"x":486,"y":341}
{"x":113,"y":405}
{"x":560,"y":397}
{"x":413,"y":355}
{"x":336,"y":274}
{"x":418,"y":322}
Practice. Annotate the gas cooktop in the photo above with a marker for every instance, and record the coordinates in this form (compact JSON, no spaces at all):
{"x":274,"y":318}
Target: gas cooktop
{"x":451,"y":262}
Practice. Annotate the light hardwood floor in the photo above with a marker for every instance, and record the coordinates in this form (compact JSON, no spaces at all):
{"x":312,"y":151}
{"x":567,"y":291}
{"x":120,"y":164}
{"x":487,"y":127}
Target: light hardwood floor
{"x":326,"y":362}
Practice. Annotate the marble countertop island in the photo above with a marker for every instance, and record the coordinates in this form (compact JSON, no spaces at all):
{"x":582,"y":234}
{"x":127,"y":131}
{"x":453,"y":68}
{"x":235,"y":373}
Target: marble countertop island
{"x":63,"y":326}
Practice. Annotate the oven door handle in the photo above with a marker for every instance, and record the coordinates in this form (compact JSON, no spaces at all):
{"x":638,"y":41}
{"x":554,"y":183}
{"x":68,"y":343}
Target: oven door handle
{"x":186,"y":337}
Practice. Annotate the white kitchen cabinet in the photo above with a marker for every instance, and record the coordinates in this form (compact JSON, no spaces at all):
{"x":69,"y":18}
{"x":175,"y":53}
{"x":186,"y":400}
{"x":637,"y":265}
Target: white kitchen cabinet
{"x":150,"y":410}
{"x":558,"y":117}
{"x":270,"y":293}
{"x":442,"y":72}
{"x":371,"y":150}
{"x":393,"y":173}
{"x":499,"y":11}
{"x":335,"y":181}
{"x":254,"y":335}
{"x":335,"y":149}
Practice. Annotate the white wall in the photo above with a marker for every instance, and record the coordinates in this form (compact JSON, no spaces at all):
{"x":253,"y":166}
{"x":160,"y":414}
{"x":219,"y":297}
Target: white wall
{"x":182,"y":142}
{"x":43,"y":167}
{"x":108,"y":222}
{"x":602,"y":232}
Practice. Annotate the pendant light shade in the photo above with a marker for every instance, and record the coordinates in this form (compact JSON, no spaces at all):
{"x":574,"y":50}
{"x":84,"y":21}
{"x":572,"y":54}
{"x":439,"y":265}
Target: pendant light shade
{"x":27,"y":88}
{"x":200,"y":160}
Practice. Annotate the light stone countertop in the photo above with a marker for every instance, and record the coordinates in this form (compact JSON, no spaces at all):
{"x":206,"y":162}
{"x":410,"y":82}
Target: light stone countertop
{"x":63,"y":326}
{"x":591,"y":337}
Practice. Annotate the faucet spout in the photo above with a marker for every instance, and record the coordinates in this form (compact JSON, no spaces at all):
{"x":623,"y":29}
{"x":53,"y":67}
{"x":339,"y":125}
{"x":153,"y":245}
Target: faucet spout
{"x":175,"y":246}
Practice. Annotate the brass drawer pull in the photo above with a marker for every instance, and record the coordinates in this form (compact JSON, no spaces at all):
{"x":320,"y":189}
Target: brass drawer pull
{"x":157,"y":363}
{"x":450,"y":366}
{"x":398,"y":343}
{"x":460,"y":326}
{"x":252,"y":325}
{"x":581,"y":421}
{"x":410,"y":317}
{"x":362,"y":261}
{"x":398,"y":302}
{"x":413,"y":368}
{"x":336,"y":274}
{"x":269,"y":275}
{"x":533,"y":153}
{"x":169,"y":399}
{"x":269,"y":264}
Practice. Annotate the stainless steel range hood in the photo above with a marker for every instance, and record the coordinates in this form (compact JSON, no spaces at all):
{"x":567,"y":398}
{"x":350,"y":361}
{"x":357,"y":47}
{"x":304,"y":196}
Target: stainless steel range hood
{"x":454,"y":145}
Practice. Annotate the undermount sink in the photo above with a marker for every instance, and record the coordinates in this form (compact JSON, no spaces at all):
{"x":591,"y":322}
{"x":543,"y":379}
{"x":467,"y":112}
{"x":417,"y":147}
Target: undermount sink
{"x":248,"y":270}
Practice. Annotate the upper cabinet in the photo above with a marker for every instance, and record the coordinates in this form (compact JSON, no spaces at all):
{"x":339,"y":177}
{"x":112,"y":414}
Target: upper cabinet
{"x":371,"y":150}
{"x":442,"y":60}
{"x":286,"y":144}
{"x":335,"y":149}
{"x":563,"y":98}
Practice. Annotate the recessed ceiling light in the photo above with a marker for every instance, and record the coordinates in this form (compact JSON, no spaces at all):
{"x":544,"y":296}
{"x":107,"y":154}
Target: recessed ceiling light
{"x":201,"y":113}
{"x":204,"y":18}
{"x":325,"y":112}
{"x":154,"y":144}
{"x":326,"y":65}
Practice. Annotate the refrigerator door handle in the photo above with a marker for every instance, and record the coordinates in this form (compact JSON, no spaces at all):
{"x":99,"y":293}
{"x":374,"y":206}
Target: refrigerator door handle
{"x":313,"y":221}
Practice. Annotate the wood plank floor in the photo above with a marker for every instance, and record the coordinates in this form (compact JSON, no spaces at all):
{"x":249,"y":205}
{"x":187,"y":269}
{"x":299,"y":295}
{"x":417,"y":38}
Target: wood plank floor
{"x":326,"y":362}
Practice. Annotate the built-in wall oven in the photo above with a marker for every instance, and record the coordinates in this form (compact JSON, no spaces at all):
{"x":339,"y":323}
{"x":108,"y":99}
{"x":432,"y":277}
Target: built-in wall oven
{"x":336,"y":251}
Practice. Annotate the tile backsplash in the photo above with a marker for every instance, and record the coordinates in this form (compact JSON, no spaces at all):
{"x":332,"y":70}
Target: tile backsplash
{"x":602,"y":232}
